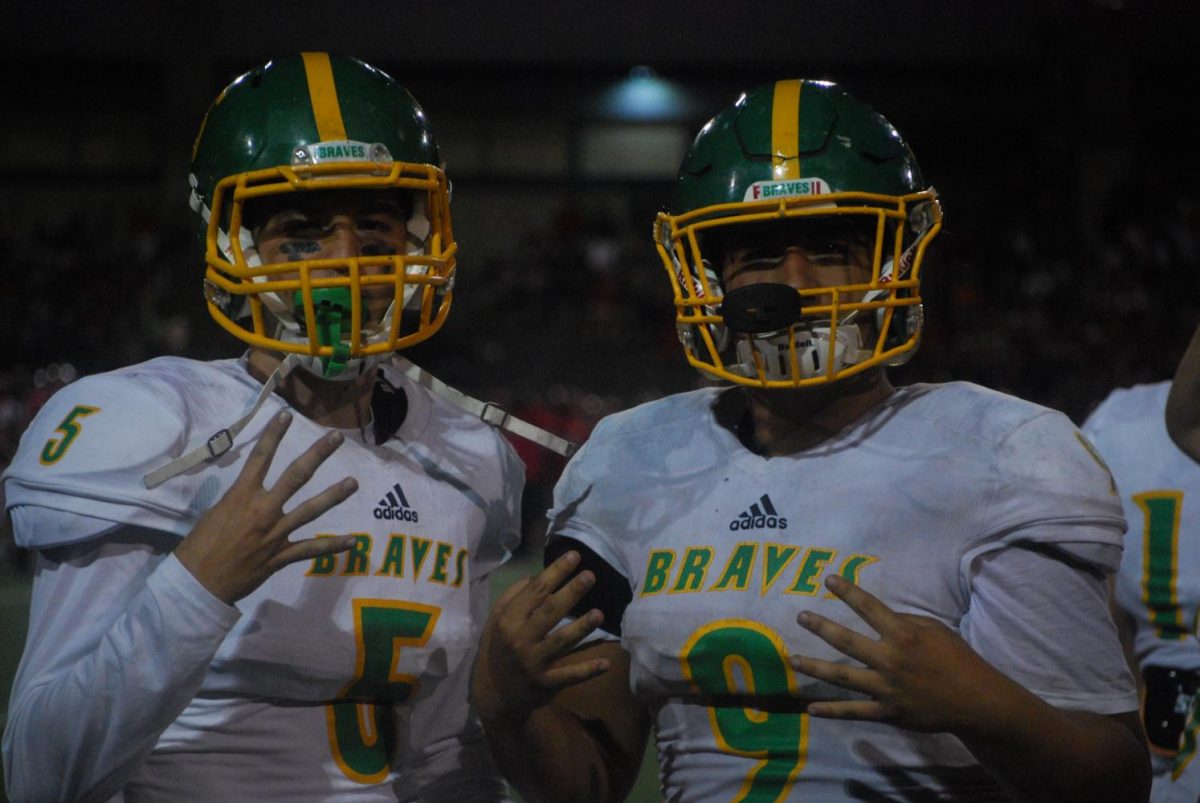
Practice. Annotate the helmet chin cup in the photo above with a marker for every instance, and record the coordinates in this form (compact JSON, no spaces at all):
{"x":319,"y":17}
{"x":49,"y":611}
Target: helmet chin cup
{"x":770,"y":353}
{"x":761,"y":307}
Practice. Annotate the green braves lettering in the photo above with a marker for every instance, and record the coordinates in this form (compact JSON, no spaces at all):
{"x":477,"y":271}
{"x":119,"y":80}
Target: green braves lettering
{"x":695,"y":567}
{"x":402,"y":556}
{"x":788,"y":188}
{"x":1160,"y":562}
{"x":813,"y":564}
{"x":341,"y":152}
{"x":804,"y":567}
{"x":784,"y":189}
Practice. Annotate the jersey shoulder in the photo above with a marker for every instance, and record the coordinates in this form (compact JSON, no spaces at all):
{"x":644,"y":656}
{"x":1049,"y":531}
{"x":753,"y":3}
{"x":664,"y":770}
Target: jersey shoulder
{"x":88,"y":448}
{"x":971,"y":411}
{"x":1138,"y":405}
{"x":1028,"y":463}
{"x":1005,"y":432}
{"x":655,"y":427}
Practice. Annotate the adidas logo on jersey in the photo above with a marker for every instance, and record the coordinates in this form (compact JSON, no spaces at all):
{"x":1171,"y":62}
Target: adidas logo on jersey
{"x":394,"y":505}
{"x":760,"y":515}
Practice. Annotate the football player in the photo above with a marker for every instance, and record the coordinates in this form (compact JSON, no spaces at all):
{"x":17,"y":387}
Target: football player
{"x":1146,"y":434}
{"x":1183,"y":402}
{"x":815,"y":585}
{"x":263,"y":578}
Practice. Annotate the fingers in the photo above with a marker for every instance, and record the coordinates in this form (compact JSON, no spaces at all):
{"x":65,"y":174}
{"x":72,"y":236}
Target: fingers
{"x":571,"y":674}
{"x":568,"y":636}
{"x":524,"y":619}
{"x":313,"y":548}
{"x":541,"y":602}
{"x":301,"y":470}
{"x":840,"y":637}
{"x":867,"y":710}
{"x":552,"y":610}
{"x":260,"y":457}
{"x":311,"y":508}
{"x":847,"y":677}
{"x":880,"y":617}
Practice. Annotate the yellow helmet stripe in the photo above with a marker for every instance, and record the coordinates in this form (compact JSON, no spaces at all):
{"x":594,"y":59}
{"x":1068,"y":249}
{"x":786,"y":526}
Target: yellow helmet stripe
{"x":323,"y":93}
{"x":785,"y":130}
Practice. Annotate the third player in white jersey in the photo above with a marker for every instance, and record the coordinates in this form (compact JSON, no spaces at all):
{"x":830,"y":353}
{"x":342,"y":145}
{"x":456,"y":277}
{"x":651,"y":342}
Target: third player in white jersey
{"x":1158,"y":587}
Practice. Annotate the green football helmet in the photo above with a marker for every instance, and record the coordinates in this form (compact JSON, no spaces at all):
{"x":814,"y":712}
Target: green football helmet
{"x":803,"y":160}
{"x":308,"y":123}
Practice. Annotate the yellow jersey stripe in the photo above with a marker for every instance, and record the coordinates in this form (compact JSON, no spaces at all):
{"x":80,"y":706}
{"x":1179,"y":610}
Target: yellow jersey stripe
{"x":785,"y":131}
{"x":323,"y":93}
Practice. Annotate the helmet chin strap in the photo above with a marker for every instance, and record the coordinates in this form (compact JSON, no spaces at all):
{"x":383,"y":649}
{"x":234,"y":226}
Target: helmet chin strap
{"x":221,"y":441}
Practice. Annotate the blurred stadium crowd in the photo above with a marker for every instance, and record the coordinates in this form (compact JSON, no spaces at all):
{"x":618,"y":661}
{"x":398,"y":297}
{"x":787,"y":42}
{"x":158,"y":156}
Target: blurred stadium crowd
{"x":579,"y":324}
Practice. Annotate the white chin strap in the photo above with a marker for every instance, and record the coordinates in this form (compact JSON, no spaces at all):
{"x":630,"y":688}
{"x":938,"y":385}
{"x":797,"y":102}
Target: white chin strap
{"x":352,"y":368}
{"x":486,"y":411}
{"x":221,"y":441}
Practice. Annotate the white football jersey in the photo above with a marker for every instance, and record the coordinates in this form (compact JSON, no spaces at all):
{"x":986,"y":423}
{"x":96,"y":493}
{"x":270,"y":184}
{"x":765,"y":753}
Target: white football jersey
{"x":943,"y":502}
{"x":344,"y":676}
{"x":1156,"y":585}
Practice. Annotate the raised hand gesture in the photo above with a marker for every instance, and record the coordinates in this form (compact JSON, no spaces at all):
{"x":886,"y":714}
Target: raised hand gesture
{"x":919,"y":674}
{"x":243,"y":539}
{"x":517,"y":669}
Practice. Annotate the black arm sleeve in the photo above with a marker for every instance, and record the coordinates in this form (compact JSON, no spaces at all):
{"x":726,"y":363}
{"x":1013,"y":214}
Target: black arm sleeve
{"x":611,"y":592}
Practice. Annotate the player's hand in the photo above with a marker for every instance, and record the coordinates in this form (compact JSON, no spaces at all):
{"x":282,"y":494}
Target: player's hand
{"x":518,"y":667}
{"x":243,"y":539}
{"x":919,"y":674}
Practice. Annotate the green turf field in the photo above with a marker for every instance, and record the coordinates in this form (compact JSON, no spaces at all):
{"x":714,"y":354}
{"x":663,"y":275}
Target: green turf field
{"x":14,"y":611}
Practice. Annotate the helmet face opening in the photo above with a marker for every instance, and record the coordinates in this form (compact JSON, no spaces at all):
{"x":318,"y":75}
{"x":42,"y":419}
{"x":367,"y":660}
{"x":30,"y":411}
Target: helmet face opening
{"x":802,"y":168}
{"x":288,"y":154}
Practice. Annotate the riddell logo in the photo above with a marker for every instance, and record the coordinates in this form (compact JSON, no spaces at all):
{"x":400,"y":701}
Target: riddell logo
{"x":395,"y":506}
{"x":760,"y":515}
